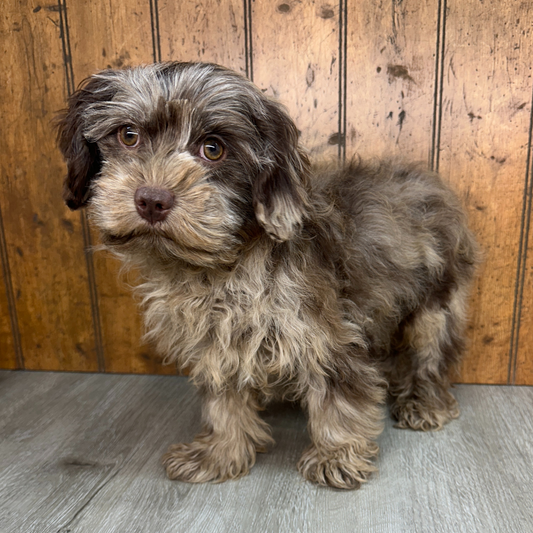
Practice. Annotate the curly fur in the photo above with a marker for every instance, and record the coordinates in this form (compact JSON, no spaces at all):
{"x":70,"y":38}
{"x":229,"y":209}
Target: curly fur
{"x":270,"y":277}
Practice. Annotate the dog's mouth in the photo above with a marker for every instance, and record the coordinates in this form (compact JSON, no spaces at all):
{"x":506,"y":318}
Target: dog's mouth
{"x":147,"y":240}
{"x":150,"y":237}
{"x":117,"y":240}
{"x":161,"y":245}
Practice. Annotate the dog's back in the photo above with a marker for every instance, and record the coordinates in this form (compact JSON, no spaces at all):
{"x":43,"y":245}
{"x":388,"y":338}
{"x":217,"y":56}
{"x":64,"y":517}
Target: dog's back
{"x":405,"y":238}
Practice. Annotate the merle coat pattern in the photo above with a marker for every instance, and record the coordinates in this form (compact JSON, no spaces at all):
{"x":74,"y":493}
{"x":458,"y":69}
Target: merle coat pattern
{"x":266,"y":276}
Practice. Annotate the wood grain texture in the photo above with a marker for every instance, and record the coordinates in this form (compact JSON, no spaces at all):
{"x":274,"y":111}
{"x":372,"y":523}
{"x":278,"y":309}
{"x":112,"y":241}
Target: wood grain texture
{"x":109,"y":34}
{"x":524,"y":361}
{"x":295,"y":59}
{"x":485,"y":123}
{"x":81,"y":453}
{"x":114,"y":35}
{"x":391,"y":78}
{"x":9,"y":348}
{"x":43,"y":242}
{"x":8,"y":358}
{"x":401,"y":94}
{"x":522,"y":372}
{"x":206,"y":30}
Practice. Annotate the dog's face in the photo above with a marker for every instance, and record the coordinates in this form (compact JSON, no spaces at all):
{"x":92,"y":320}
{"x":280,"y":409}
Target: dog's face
{"x":182,"y":160}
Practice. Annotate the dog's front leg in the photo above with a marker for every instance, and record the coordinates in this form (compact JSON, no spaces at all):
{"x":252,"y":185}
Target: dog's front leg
{"x":345,"y":419}
{"x":226,"y":448}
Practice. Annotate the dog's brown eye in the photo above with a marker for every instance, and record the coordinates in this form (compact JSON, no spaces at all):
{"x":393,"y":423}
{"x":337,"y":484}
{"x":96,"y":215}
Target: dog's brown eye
{"x":128,"y":136}
{"x":212,"y":149}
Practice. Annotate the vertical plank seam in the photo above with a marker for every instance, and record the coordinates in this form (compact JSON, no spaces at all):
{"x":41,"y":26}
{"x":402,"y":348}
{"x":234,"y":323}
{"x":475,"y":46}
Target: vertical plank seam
{"x":10,"y":294}
{"x":343,"y":77}
{"x":521,"y":262}
{"x":87,"y":244}
{"x":441,"y":79}
{"x":156,"y":35}
{"x":65,"y":41}
{"x":248,"y":42}
{"x":435,"y":91}
{"x":439,"y":86}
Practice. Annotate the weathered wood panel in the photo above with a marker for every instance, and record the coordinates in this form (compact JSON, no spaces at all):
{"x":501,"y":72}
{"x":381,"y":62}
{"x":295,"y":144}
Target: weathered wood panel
{"x":44,"y":244}
{"x":391,"y":78}
{"x":485,"y":122}
{"x":522,"y":370}
{"x":523,"y":374}
{"x":114,"y":35}
{"x":8,"y":354}
{"x":109,"y":34}
{"x":8,"y":358}
{"x":207,"y":30}
{"x":295,"y":58}
{"x":402,"y":78}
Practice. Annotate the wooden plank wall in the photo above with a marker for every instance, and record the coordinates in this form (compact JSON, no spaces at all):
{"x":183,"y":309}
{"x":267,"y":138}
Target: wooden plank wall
{"x":448,"y":82}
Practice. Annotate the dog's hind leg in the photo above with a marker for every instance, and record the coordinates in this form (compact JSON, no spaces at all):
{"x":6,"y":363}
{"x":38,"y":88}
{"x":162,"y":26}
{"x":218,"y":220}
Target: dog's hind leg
{"x":226,"y":448}
{"x":430,"y":345}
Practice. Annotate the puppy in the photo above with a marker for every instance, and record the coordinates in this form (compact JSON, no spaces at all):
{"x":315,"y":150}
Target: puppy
{"x":266,"y":277}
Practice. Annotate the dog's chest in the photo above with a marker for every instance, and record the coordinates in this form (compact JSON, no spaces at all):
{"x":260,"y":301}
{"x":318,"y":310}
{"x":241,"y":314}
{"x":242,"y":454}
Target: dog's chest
{"x":252,"y":325}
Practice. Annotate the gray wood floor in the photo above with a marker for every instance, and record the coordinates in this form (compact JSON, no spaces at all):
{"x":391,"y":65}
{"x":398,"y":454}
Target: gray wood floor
{"x":80,"y":453}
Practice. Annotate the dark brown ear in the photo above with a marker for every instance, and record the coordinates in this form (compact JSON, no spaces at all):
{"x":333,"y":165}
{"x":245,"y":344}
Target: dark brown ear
{"x":279,"y":192}
{"x":83,"y":157}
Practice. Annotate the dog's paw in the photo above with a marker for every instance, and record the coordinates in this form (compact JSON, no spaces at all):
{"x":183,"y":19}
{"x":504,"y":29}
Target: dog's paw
{"x":424,"y":416}
{"x":199,"y":462}
{"x":343,"y":468}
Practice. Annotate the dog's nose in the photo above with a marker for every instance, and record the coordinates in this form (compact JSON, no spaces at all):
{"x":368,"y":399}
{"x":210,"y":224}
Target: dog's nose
{"x":153,"y":204}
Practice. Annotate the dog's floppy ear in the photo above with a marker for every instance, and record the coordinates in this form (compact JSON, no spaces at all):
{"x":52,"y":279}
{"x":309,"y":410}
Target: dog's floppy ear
{"x":279,"y":191}
{"x":83,"y":157}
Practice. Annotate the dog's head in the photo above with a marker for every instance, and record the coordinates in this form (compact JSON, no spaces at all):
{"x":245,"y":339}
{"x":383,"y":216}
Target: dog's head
{"x":186,"y":158}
